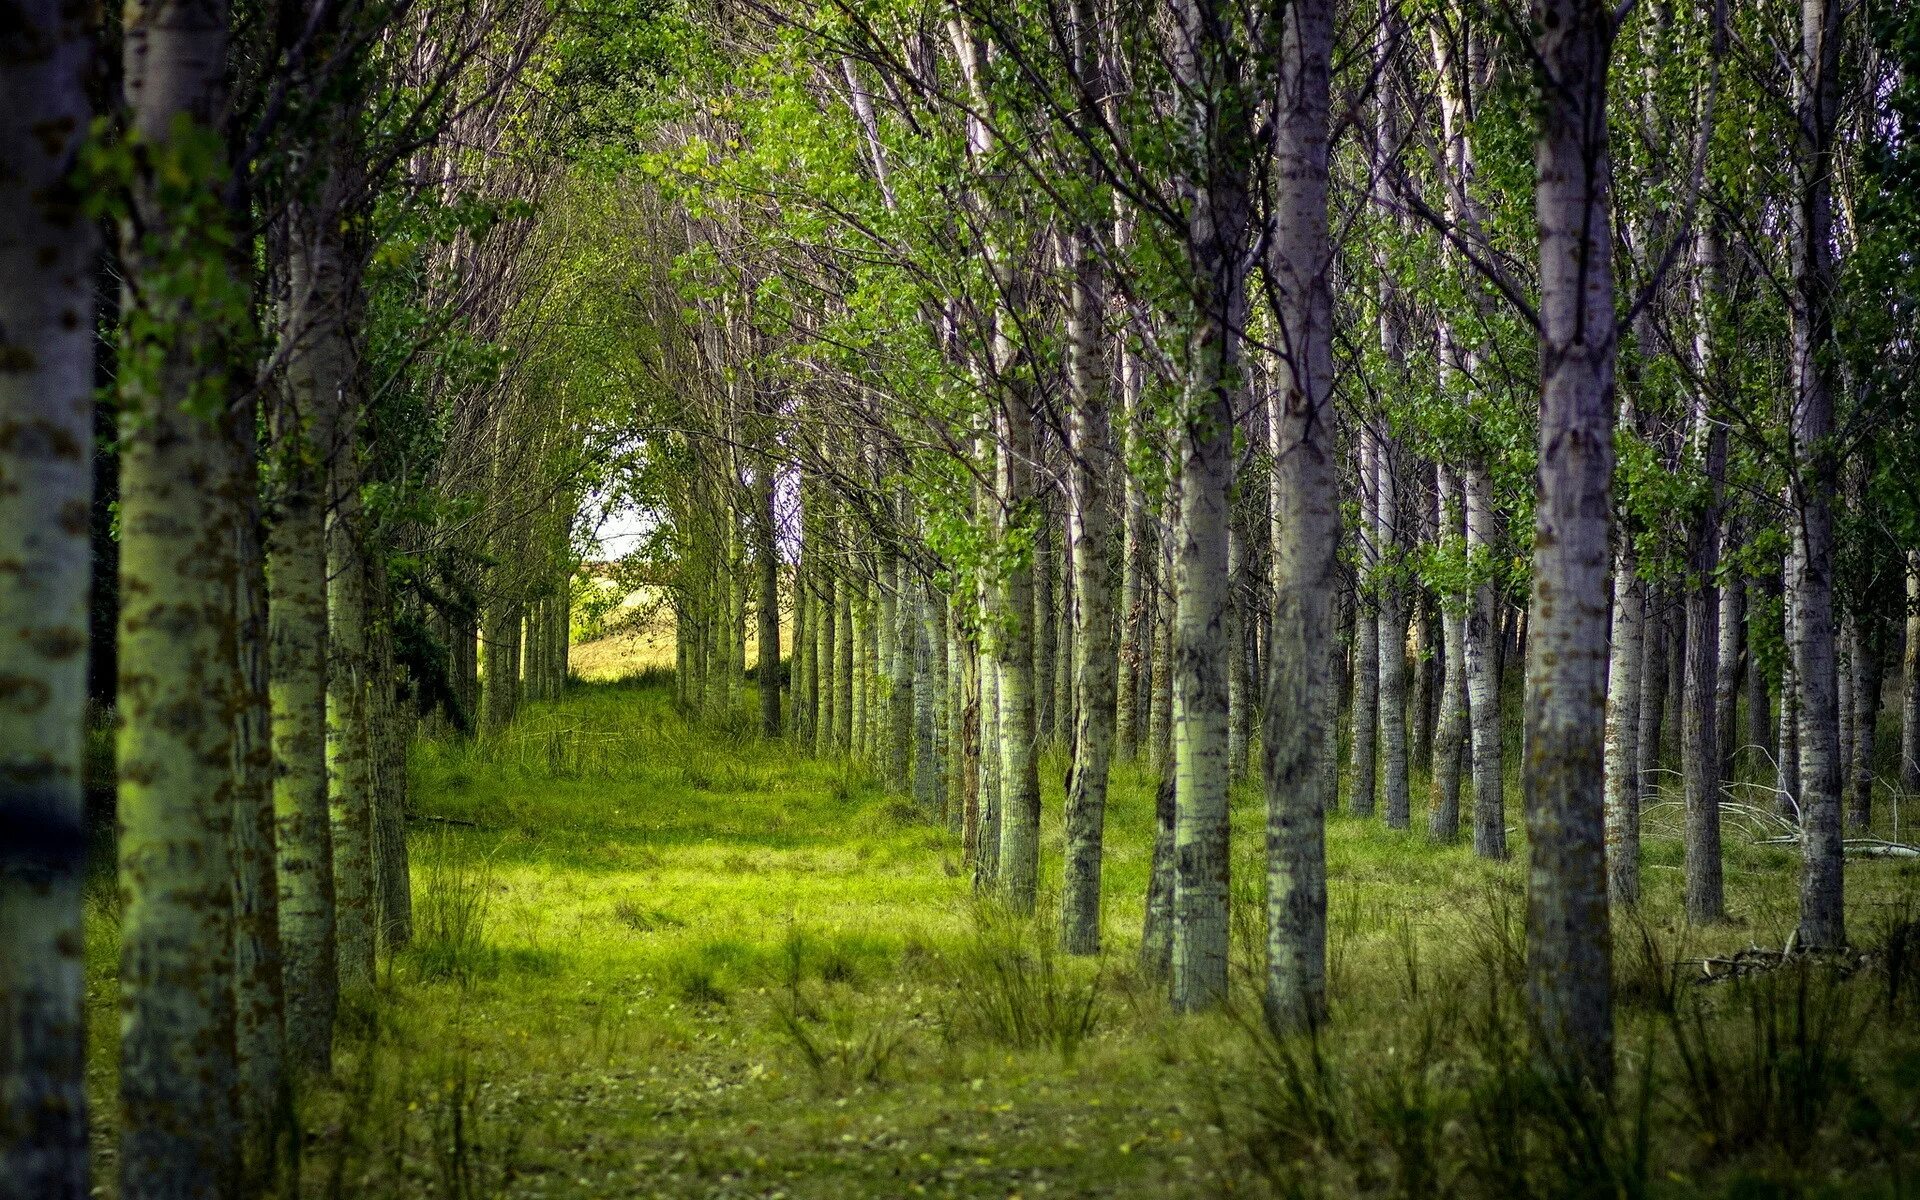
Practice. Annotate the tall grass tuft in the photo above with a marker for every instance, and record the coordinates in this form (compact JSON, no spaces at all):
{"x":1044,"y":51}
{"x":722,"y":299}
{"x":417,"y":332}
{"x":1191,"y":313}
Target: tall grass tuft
{"x":452,"y":913}
{"x":1009,"y":982}
{"x":842,"y":1042}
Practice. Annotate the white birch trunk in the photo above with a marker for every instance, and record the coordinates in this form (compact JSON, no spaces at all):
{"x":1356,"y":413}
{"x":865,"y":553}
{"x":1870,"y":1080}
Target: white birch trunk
{"x":47,"y":256}
{"x":1569,"y":958}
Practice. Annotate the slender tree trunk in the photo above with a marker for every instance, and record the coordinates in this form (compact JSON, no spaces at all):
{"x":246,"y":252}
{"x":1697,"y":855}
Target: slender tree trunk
{"x":1450,"y":733}
{"x":1394,"y":784}
{"x":178,"y":1136}
{"x":1019,"y":808}
{"x":767,"y":605}
{"x":1091,"y":534}
{"x":1302,"y":697}
{"x":48,"y":252}
{"x":1483,"y":675}
{"x":1364,"y":722}
{"x":826,"y":732}
{"x":928,"y":658}
{"x":297,"y":672}
{"x":1217,"y":228}
{"x":1868,"y":674}
{"x":1623,"y":726}
{"x":349,"y":780}
{"x":263,"y":1098}
{"x":844,"y":717}
{"x":1044,"y":566}
{"x":1700,"y":758}
{"x":1910,"y":683}
{"x":1758,"y":706}
{"x":1160,"y":678}
{"x":1653,"y":689}
{"x":1822,"y":907}
{"x":390,"y":725}
{"x":1156,"y":927}
{"x":1568,"y":948}
{"x":1732,"y":660}
{"x":1787,"y":770}
{"x":906,"y":681}
{"x":986,"y":860}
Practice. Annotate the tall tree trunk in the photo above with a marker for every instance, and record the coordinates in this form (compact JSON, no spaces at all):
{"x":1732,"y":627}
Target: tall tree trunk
{"x":390,"y":725}
{"x":963,"y":727}
{"x":1568,"y":947}
{"x":263,"y":1097}
{"x":1218,"y":117}
{"x":1450,"y":733}
{"x":1623,"y":725}
{"x":1483,"y":673}
{"x":177,"y":1072}
{"x":1733,"y":661}
{"x":349,"y":780}
{"x":47,"y":256}
{"x":905,"y":682}
{"x":1044,"y":568}
{"x":1700,"y":756}
{"x":1653,"y":689}
{"x":1156,"y":926}
{"x":1758,"y":706}
{"x":1137,"y":556}
{"x":767,"y":557}
{"x":1394,"y":785}
{"x":1302,"y":697}
{"x":1019,"y":808}
{"x":1868,"y":672}
{"x":1822,"y":908}
{"x":845,"y":585}
{"x":929,"y":659}
{"x":1910,"y":683}
{"x":1160,"y":675}
{"x":297,"y":688}
{"x":1787,"y":768}
{"x":1364,"y":722}
{"x":1091,"y":534}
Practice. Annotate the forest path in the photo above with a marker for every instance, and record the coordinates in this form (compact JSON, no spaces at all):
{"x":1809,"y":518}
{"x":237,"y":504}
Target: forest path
{"x":653,"y":960}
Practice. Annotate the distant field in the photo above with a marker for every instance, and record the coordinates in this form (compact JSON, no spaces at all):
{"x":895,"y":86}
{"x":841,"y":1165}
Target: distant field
{"x":643,"y":645}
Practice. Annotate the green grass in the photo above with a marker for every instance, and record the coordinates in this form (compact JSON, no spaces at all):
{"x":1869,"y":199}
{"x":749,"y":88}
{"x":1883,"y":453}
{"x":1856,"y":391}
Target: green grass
{"x":654,"y":961}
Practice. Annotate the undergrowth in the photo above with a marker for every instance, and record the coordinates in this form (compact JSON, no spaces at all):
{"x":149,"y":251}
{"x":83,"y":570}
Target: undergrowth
{"x":652,"y":960}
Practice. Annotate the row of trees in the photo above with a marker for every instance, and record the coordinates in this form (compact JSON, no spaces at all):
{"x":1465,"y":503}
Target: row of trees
{"x":1202,"y":379}
{"x":315,"y":474}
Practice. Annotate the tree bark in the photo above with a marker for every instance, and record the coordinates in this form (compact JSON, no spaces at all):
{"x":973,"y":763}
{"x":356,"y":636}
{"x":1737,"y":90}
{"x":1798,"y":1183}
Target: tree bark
{"x":177,"y":1072}
{"x":263,"y":1097}
{"x":1302,"y":697}
{"x":1450,"y":733}
{"x":1654,"y":668}
{"x":1910,"y":683}
{"x":1568,"y":946}
{"x":1094,"y":666}
{"x":1392,"y":649}
{"x":767,"y":605}
{"x":1623,"y":726}
{"x":1822,"y":907}
{"x":48,"y":250}
{"x":1483,"y":674}
{"x":1364,"y":722}
{"x":1733,"y":661}
{"x":349,"y":779}
{"x":1218,"y":218}
{"x":1700,"y":757}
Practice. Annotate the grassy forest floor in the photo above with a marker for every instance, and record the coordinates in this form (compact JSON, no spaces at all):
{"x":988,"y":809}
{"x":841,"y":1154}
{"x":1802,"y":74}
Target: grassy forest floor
{"x":658,"y":961}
